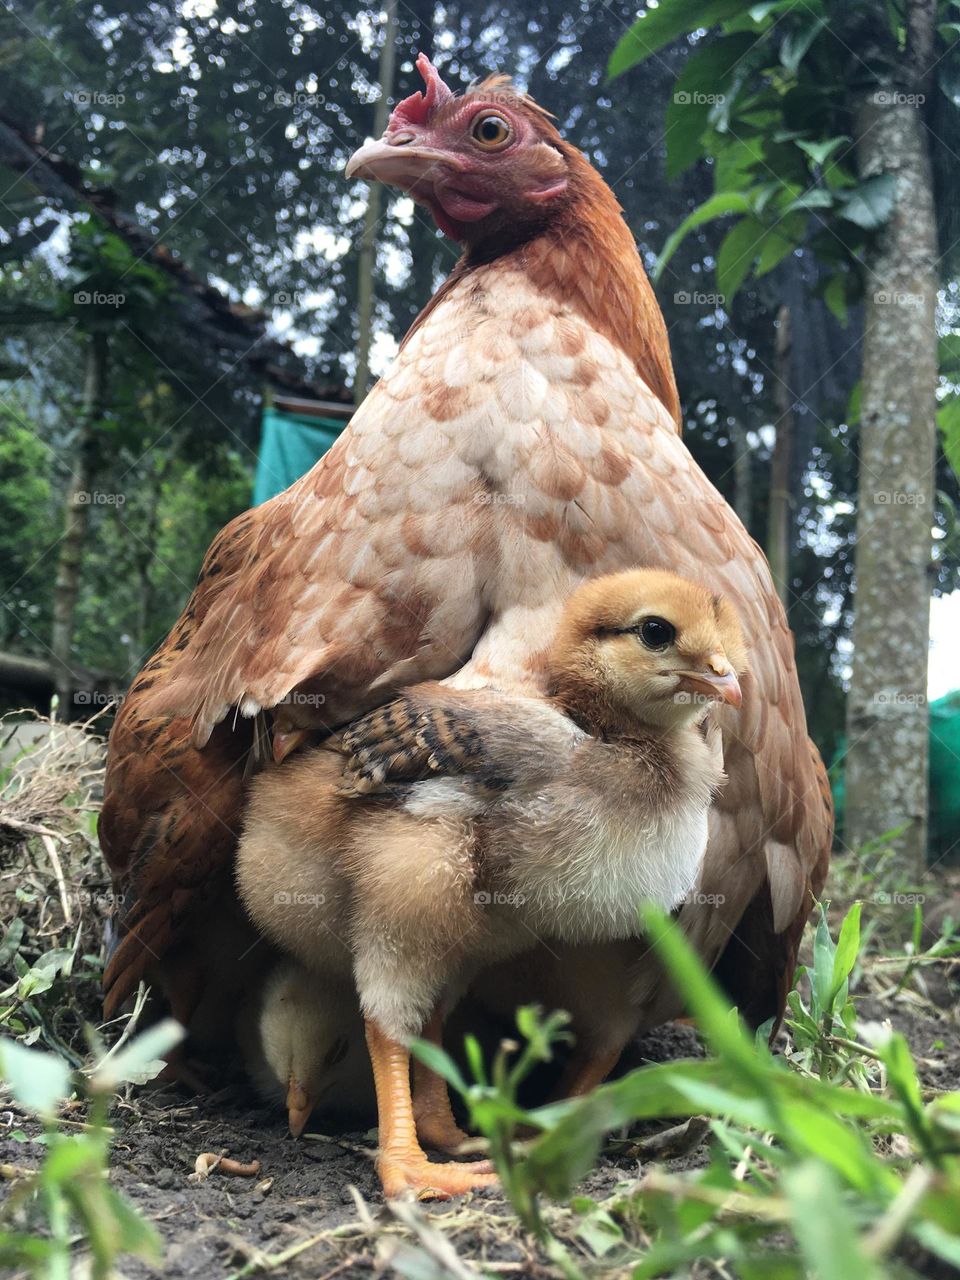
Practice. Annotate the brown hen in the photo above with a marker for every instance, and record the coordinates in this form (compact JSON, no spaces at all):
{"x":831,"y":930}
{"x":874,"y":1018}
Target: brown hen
{"x":525,"y":438}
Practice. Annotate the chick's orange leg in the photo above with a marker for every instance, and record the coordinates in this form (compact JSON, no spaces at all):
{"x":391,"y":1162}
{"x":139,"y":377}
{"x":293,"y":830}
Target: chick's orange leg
{"x":401,"y":1162}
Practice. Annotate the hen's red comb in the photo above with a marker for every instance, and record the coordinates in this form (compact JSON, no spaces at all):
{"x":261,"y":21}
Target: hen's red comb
{"x":419,"y":107}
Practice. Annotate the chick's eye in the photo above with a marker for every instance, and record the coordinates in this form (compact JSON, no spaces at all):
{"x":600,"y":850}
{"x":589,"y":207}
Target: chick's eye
{"x":657,"y":633}
{"x":491,"y":131}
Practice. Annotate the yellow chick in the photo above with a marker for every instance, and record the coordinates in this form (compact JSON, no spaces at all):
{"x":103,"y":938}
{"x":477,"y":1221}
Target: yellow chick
{"x":450,"y":829}
{"x":302,"y":1043}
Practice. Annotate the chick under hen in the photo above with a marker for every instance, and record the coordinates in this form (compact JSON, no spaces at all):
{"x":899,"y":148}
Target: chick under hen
{"x":301,"y":1039}
{"x":576,"y":808}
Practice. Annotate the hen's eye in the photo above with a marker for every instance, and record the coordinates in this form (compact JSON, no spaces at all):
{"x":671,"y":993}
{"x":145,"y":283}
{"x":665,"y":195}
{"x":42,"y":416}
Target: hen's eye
{"x":491,"y":131}
{"x":657,"y":633}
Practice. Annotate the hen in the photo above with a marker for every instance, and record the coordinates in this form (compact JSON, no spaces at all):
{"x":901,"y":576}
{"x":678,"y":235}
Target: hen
{"x":525,"y":438}
{"x":576,"y":808}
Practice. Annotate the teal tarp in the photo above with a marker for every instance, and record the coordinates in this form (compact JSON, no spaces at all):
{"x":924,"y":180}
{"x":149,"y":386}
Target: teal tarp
{"x":290,"y":443}
{"x":944,"y":773}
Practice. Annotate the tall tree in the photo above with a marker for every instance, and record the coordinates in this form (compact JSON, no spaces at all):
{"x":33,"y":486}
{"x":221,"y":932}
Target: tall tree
{"x":888,"y":725}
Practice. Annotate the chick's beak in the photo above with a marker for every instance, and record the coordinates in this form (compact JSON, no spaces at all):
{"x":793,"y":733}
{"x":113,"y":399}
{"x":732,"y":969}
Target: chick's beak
{"x":717,"y":680}
{"x":286,"y":741}
{"x":400,"y":162}
{"x":299,"y":1106}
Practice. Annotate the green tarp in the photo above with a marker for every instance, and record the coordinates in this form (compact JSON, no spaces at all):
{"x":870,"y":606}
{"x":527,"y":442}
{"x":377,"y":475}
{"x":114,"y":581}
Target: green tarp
{"x":944,"y":773}
{"x":290,"y":443}
{"x":945,"y":776}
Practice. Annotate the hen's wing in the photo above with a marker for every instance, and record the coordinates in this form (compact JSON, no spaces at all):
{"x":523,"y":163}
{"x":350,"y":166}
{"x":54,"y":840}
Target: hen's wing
{"x":171,"y":814}
{"x":364,"y":576}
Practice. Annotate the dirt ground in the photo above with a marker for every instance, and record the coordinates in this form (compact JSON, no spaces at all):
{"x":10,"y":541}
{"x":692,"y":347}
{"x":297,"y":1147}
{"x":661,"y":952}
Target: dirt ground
{"x":315,"y":1209}
{"x":321,"y":1189}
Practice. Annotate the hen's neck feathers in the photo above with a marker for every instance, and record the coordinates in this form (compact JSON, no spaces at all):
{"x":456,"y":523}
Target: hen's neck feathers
{"x":585,"y":256}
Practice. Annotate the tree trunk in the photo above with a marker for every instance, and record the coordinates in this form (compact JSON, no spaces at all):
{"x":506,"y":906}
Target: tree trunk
{"x":780,"y":501}
{"x":742,"y":475}
{"x":367,"y":264}
{"x":77,"y":506}
{"x":887,"y":721}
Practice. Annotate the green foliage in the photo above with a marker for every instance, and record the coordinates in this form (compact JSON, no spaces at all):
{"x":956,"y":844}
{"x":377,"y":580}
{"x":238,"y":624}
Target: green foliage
{"x":107,"y":284}
{"x":801,"y":1146}
{"x":68,"y":1203}
{"x":25,"y":535}
{"x":147,"y":549}
{"x":768,"y":107}
{"x":493,"y":1103}
{"x":823,"y":1029}
{"x":773,"y":101}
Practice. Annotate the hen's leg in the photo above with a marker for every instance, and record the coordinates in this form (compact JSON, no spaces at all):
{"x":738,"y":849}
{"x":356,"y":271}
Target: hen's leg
{"x":436,"y":1126}
{"x":585,"y":1071}
{"x":181,"y":981}
{"x":401,"y":1162}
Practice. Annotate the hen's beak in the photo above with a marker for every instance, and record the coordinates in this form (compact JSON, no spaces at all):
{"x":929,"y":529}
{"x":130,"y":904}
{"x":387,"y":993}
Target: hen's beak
{"x":718,"y":681}
{"x":299,"y":1106}
{"x":399,"y":163}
